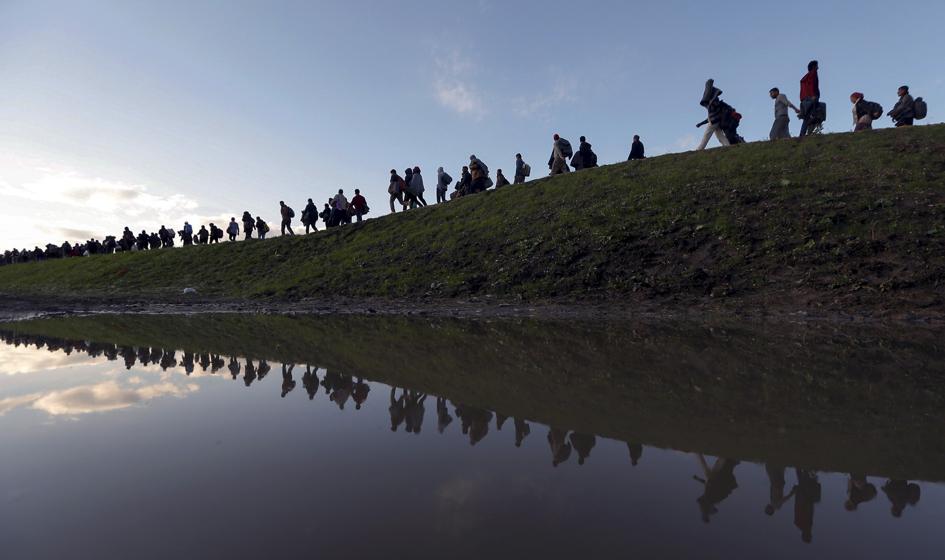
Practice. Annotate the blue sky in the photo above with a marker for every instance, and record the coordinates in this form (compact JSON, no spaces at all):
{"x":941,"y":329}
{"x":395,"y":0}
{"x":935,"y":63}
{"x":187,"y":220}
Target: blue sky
{"x":143,"y":113}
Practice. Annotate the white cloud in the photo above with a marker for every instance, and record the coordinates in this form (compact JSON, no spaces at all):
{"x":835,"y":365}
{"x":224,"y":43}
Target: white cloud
{"x":561,"y":91}
{"x":687,"y":142}
{"x":21,"y":359}
{"x":453,"y":87}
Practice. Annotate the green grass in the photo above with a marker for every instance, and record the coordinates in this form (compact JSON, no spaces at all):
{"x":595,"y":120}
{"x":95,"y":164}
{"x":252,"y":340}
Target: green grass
{"x":851,"y":218}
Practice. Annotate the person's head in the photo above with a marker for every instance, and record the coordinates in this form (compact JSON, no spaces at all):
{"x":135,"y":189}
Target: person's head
{"x":310,"y":200}
{"x":556,"y":137}
{"x":341,"y":191}
{"x":393,"y":172}
{"x":232,"y":218}
{"x":439,"y":170}
{"x":812,"y":65}
{"x":518,"y":156}
{"x":465,"y":168}
{"x":408,"y":171}
{"x":281,"y":203}
{"x":769,"y":509}
{"x":636,"y":137}
{"x":499,"y":171}
{"x":855,"y":97}
{"x":774,"y":92}
{"x":903,"y":90}
{"x":583,"y":139}
{"x":472,"y":157}
{"x":357,"y":191}
{"x":416,"y":169}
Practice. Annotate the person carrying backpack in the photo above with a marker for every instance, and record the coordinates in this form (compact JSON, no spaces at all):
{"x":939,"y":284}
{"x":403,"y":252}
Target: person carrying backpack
{"x":443,"y":181}
{"x":810,"y":98}
{"x":415,"y":186}
{"x":233,"y":229}
{"x":262,"y":228}
{"x":249,"y":224}
{"x":864,"y":112}
{"x":358,"y":204}
{"x":483,"y":169}
{"x":585,"y":158}
{"x":396,"y":190}
{"x":287,"y":215}
{"x":903,"y":113}
{"x":716,"y":112}
{"x":310,"y":216}
{"x":560,"y":153}
{"x":522,"y":170}
{"x":781,"y":128}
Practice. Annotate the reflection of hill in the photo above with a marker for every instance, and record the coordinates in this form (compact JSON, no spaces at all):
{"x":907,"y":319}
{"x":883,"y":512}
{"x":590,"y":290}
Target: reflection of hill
{"x":845,"y":399}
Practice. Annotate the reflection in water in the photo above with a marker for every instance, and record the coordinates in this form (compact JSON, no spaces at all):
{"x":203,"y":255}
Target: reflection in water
{"x":407,"y":407}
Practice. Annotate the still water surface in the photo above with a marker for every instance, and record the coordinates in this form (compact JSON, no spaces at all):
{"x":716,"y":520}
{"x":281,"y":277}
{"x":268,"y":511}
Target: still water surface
{"x":239,"y":437}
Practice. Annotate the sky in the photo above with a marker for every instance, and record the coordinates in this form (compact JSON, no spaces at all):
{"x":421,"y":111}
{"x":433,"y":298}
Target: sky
{"x":127,"y":112}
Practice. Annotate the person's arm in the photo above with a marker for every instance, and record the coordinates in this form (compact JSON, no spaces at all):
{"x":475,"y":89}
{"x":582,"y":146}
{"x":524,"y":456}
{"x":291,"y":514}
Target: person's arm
{"x":791,"y":105}
{"x":702,"y":123}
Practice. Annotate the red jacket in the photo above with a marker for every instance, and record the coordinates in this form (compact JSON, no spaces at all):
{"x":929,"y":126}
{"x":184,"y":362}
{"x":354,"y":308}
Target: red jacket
{"x":358,"y":202}
{"x":810,"y":85}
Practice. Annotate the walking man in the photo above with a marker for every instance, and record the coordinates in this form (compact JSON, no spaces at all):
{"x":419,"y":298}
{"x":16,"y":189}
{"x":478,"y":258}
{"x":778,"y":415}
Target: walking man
{"x":287,"y":215}
{"x":782,"y":123}
{"x":560,"y":152}
{"x":810,"y":96}
{"x":358,"y":204}
{"x":519,"y":170}
{"x":903,"y":113}
{"x":712,"y":104}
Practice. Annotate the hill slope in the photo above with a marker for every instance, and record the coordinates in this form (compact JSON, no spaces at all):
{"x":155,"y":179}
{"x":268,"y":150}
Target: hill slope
{"x":836,"y":220}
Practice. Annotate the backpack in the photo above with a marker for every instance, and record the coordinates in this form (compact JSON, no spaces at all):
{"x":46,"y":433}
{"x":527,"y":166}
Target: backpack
{"x":874,"y":110}
{"x":920,"y":108}
{"x":446,"y":178}
{"x":566,"y":150}
{"x":591,"y":160}
{"x":526,"y":170}
{"x":291,"y":213}
{"x":819,"y":113}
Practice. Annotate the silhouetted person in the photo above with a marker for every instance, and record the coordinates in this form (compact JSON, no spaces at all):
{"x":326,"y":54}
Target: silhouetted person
{"x":636,"y":149}
{"x":522,"y":429}
{"x":560,"y":448}
{"x":342,"y":390}
{"x":310,"y":382}
{"x":499,"y":421}
{"x":443,"y":417}
{"x":249,"y":374}
{"x":806,"y":494}
{"x":216,"y":363}
{"x":234,"y":367}
{"x":128,"y":353}
{"x":636,"y":451}
{"x":901,"y":494}
{"x":396,"y":409}
{"x":287,"y":382}
{"x":287,"y":215}
{"x":859,"y":491}
{"x":359,"y":393}
{"x":168,"y":360}
{"x":776,"y":496}
{"x":474,"y":422}
{"x":262,"y":369}
{"x":719,"y":482}
{"x":414,"y":411}
{"x":188,"y":362}
{"x":582,"y":443}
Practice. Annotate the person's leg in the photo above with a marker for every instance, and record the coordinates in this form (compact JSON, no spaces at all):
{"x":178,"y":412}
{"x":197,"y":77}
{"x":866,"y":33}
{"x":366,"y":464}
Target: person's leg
{"x":422,"y":201}
{"x":288,"y":226}
{"x":359,"y":215}
{"x":722,"y":138}
{"x":392,"y":198}
{"x":706,"y":135}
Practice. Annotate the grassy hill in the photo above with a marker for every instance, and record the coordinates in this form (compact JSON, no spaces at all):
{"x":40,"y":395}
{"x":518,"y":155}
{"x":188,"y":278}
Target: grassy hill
{"x":841,"y":220}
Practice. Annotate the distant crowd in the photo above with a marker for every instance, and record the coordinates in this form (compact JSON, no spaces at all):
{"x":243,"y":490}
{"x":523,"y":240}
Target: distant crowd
{"x":407,"y":191}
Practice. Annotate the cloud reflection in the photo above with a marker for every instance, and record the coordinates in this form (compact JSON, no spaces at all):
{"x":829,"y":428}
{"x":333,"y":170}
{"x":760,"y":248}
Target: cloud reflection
{"x":100,"y":397}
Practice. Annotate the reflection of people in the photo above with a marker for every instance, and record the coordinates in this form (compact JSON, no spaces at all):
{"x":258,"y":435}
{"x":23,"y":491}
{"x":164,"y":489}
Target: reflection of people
{"x":522,"y":429}
{"x":582,"y":443}
{"x":129,"y":356}
{"x":901,"y":494}
{"x":287,"y":382}
{"x":636,"y":451}
{"x":560,"y":448}
{"x":776,"y":497}
{"x":250,"y":373}
{"x":396,"y":409}
{"x":414,"y":412}
{"x":474,"y":421}
{"x":188,"y":362}
{"x":168,"y":360}
{"x":499,"y":421}
{"x":234,"y":367}
{"x":806,"y":494}
{"x":858,"y":491}
{"x":443,"y":417}
{"x":263,"y":368}
{"x":310,"y":381}
{"x":342,"y":385}
{"x":719,"y":482}
{"x":360,"y":393}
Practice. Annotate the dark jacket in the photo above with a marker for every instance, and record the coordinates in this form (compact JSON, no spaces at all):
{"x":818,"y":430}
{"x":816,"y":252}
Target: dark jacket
{"x":904,"y":109}
{"x":636,"y":151}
